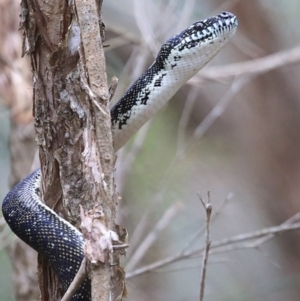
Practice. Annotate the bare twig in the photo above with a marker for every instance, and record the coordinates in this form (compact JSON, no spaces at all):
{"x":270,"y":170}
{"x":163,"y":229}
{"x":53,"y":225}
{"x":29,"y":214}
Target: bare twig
{"x":123,"y":38}
{"x":256,"y":66}
{"x":273,"y":231}
{"x":152,"y":236}
{"x":208,"y":210}
{"x":253,"y":67}
{"x":79,"y":278}
{"x":218,"y":110}
{"x":261,"y":235}
{"x":193,"y":238}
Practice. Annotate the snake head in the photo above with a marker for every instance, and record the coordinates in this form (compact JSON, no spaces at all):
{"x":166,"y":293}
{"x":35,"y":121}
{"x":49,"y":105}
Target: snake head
{"x":199,"y":43}
{"x":180,"y":58}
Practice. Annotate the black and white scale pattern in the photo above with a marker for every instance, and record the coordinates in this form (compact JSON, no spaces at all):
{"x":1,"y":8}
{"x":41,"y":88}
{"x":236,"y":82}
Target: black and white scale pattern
{"x":179,"y":59}
{"x":42,"y":229}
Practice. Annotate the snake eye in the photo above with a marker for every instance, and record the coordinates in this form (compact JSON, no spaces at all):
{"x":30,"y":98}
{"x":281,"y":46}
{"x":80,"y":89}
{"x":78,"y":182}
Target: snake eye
{"x":224,"y":14}
{"x":199,"y":26}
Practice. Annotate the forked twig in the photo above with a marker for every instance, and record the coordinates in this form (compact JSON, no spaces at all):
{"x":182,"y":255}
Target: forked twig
{"x":288,"y":225}
{"x":208,"y":210}
{"x":216,"y":213}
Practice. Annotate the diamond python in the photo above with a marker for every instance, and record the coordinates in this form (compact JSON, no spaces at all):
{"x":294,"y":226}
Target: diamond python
{"x":180,"y":58}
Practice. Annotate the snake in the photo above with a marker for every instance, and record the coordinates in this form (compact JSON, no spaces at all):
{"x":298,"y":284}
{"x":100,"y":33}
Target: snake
{"x":178,"y":59}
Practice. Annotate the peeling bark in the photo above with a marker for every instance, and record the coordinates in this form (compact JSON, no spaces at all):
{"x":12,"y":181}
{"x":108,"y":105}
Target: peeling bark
{"x":72,"y":122}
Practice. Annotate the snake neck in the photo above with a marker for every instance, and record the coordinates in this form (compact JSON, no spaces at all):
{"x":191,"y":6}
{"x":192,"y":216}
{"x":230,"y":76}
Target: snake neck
{"x":179,"y":59}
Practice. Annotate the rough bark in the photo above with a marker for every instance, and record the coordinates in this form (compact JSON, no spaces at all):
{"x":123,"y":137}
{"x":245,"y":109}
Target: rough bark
{"x":72,"y":123}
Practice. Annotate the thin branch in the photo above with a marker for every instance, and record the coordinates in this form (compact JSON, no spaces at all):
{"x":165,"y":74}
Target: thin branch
{"x":208,"y":210}
{"x":251,"y":68}
{"x":123,"y":39}
{"x":152,"y":236}
{"x":218,"y":109}
{"x":256,"y":66}
{"x":274,"y":231}
{"x":216,"y":213}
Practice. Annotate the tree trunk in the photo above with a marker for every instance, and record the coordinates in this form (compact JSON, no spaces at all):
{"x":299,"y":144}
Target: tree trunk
{"x":72,"y":122}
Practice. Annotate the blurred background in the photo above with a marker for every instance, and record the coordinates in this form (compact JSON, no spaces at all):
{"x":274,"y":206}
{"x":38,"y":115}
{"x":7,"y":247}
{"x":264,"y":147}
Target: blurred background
{"x":232,"y":130}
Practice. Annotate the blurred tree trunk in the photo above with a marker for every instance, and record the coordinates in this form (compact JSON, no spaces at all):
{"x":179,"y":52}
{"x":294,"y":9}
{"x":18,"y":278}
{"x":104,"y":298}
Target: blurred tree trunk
{"x":272,"y":136}
{"x":16,"y":92}
{"x":277,"y":111}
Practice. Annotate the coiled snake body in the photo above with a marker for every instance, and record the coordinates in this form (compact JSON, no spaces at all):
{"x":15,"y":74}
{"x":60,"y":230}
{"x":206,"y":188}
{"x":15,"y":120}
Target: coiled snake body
{"x":179,"y":59}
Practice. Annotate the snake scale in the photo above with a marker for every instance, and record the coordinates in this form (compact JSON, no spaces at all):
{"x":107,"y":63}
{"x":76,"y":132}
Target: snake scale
{"x":180,"y":58}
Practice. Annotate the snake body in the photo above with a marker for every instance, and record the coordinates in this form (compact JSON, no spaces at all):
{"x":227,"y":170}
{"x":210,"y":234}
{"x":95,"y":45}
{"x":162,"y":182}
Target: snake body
{"x":179,"y":59}
{"x":42,"y":229}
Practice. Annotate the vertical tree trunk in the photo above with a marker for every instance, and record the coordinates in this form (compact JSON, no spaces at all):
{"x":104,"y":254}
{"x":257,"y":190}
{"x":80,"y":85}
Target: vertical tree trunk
{"x":72,"y":121}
